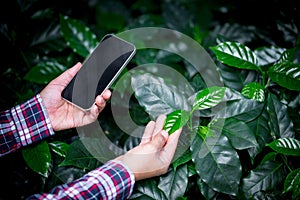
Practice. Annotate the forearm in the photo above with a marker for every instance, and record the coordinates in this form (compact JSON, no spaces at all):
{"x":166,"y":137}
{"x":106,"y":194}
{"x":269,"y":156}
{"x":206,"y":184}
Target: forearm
{"x":23,"y":124}
{"x":113,"y":180}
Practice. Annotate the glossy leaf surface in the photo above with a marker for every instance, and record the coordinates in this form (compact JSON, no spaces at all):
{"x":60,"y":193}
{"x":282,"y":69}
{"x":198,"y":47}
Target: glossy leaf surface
{"x":156,"y":96}
{"x":45,"y":72}
{"x":238,"y":133}
{"x":208,"y":98}
{"x":78,"y":36}
{"x":265,"y":177}
{"x":292,"y":182}
{"x":176,"y":120}
{"x":286,"y":74}
{"x":254,"y":91}
{"x":217,"y":163}
{"x":38,"y":158}
{"x":286,"y":146}
{"x":236,"y":55}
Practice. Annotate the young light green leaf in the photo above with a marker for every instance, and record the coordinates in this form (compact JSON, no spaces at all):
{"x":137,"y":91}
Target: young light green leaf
{"x":287,"y":146}
{"x":254,"y":91}
{"x":209,"y":98}
{"x":292,"y":182}
{"x":38,"y":158}
{"x":175,"y":120}
{"x":44,"y":72}
{"x":78,"y":36}
{"x":287,"y":56}
{"x":204,"y":131}
{"x":236,"y":55}
{"x":286,"y":74}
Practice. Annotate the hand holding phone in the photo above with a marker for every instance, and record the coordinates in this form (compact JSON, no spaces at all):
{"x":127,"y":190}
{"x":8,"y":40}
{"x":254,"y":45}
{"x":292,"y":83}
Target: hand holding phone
{"x":98,"y":71}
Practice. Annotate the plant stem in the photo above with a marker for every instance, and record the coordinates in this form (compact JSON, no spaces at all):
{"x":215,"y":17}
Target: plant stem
{"x":286,"y":163}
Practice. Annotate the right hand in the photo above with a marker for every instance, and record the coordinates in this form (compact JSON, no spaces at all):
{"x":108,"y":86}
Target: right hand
{"x":154,"y":154}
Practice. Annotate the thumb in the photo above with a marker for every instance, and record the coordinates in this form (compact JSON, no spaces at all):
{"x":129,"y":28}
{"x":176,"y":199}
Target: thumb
{"x":67,"y":76}
{"x":160,"y":139}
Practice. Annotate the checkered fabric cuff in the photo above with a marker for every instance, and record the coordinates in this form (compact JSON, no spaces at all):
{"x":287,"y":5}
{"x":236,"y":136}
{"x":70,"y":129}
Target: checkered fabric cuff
{"x":111,"y":181}
{"x":31,"y":121}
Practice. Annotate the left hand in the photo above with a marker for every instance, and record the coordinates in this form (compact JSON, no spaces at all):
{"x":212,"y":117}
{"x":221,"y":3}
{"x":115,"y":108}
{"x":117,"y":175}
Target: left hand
{"x":154,"y":154}
{"x":64,"y":115}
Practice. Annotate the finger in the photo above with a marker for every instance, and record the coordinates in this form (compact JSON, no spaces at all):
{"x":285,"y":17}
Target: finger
{"x":73,"y":70}
{"x":171,"y":145}
{"x":106,"y":95}
{"x":67,"y":76}
{"x":159,"y":140}
{"x":93,"y":114}
{"x":100,"y":102}
{"x":148,"y":132}
{"x":159,"y":124}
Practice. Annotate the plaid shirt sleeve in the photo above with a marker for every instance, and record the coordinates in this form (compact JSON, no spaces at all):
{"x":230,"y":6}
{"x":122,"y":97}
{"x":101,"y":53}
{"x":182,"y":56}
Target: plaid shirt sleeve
{"x":23,"y":124}
{"x":111,"y":181}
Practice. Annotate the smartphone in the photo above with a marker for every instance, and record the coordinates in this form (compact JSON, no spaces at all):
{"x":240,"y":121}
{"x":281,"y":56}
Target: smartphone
{"x":98,"y":71}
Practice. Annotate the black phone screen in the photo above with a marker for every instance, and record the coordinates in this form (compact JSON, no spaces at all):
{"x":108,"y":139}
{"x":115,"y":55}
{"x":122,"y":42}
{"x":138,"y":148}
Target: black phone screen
{"x":98,"y":71}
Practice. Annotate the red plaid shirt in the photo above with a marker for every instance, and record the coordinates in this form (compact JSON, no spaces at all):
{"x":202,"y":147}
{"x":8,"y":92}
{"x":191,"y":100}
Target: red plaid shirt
{"x":28,"y":123}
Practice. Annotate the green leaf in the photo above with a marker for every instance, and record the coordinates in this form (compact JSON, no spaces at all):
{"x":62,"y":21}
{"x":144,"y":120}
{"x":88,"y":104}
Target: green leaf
{"x":175,"y":120}
{"x":263,"y":178}
{"x":269,"y":157}
{"x":279,"y":121}
{"x":204,"y":131}
{"x":236,"y":78}
{"x":292,"y":183}
{"x":60,"y":148}
{"x":288,"y":55}
{"x":261,"y":129}
{"x":286,"y":74}
{"x":184,"y":158}
{"x":244,"y":110}
{"x":156,"y":96}
{"x":209,"y":98}
{"x":230,"y":95}
{"x":38,"y":158}
{"x":80,"y":157}
{"x":254,"y":91}
{"x":174,"y":183}
{"x":45,"y":72}
{"x":197,"y":82}
{"x":147,"y":189}
{"x":78,"y":36}
{"x":236,"y":55}
{"x":238,"y":133}
{"x":268,"y":55}
{"x":286,"y":146}
{"x":217,"y":163}
{"x":61,"y":175}
{"x":206,"y":191}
